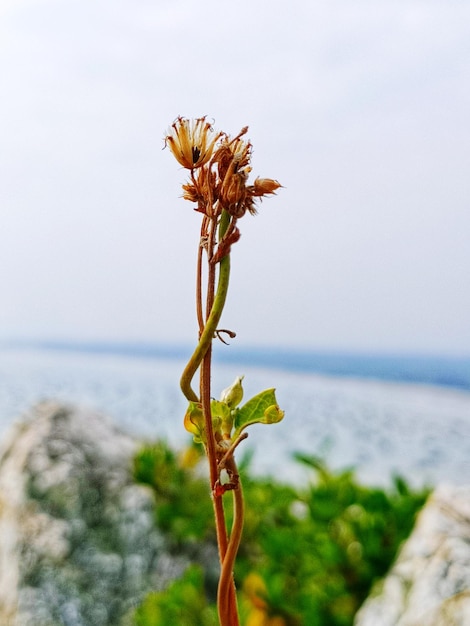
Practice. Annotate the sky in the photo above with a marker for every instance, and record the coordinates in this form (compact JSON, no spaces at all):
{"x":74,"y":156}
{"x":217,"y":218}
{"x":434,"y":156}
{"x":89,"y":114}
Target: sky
{"x":360,"y":109}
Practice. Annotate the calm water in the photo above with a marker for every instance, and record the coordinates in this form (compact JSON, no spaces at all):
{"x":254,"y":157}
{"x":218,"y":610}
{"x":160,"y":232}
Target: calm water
{"x":379,"y":426}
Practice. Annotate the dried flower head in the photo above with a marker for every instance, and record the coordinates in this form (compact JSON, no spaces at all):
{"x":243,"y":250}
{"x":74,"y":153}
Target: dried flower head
{"x":192,"y":141}
{"x":201,"y":189}
{"x":233,"y":155}
{"x":220,"y":167}
{"x":233,"y":162}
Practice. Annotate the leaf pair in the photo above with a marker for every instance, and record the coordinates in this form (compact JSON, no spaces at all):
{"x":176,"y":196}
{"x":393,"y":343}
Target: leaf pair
{"x":228,"y":421}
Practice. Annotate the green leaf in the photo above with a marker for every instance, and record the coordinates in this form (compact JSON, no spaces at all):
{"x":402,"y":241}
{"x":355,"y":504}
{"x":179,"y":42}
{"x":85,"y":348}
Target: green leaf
{"x":194,"y":422}
{"x":220,"y":409}
{"x":222,"y":419}
{"x":261,"y":409}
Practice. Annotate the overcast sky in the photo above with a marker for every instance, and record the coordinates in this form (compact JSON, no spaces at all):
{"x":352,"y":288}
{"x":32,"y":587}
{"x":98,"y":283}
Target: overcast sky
{"x":360,"y":109}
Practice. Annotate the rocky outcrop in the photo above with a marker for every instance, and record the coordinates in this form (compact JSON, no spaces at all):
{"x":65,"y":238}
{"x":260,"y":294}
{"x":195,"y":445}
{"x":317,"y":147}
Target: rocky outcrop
{"x":78,"y":544}
{"x":429,"y":585}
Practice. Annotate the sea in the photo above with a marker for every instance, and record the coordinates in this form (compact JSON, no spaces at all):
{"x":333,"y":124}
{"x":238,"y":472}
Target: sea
{"x":379,"y":415}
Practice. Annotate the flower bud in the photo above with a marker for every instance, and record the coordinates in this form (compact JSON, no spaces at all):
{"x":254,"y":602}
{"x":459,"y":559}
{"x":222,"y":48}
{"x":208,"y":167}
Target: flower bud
{"x":263,"y":186}
{"x":233,"y":395}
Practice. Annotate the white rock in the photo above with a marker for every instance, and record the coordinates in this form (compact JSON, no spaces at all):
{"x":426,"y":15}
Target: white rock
{"x":429,"y":584}
{"x":78,"y":543}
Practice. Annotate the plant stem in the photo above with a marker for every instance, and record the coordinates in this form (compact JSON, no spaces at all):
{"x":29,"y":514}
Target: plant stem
{"x":226,"y":598}
{"x":202,"y":358}
{"x":208,"y":333}
{"x":222,"y":539}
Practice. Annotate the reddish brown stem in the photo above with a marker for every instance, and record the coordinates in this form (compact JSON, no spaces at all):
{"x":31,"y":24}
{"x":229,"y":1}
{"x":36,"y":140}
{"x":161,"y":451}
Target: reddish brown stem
{"x":202,"y":358}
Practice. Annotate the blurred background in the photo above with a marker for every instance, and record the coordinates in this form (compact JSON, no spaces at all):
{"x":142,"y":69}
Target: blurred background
{"x":360,"y":111}
{"x":358,"y":268}
{"x":349,"y":290}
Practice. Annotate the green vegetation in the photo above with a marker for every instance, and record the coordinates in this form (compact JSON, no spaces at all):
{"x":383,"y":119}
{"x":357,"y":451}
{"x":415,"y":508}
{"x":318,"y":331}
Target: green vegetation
{"x":308,"y":557}
{"x":183,"y":603}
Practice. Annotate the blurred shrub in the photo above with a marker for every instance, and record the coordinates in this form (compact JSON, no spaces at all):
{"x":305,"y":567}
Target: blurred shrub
{"x":183,"y":603}
{"x":183,"y":506}
{"x":309,"y":555}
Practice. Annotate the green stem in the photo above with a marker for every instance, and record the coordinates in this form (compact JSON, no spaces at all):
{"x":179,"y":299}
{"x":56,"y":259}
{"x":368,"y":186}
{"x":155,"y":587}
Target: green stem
{"x":212,"y":322}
